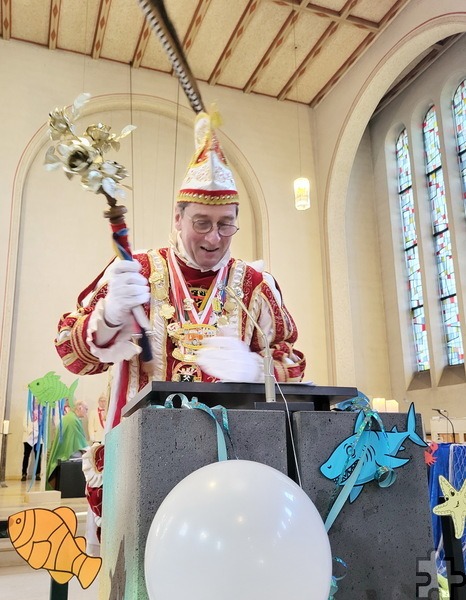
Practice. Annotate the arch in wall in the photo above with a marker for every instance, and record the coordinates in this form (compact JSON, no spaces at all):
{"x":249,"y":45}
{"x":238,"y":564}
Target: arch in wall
{"x":341,"y":360}
{"x":37,"y":145}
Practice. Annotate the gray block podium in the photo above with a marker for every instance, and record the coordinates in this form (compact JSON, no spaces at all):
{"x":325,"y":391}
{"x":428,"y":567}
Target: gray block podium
{"x":146,"y":455}
{"x":381,"y":536}
{"x":385,"y":532}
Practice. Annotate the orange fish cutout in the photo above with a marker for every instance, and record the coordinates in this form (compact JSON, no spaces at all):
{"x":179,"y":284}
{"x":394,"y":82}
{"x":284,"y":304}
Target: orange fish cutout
{"x":45,"y":539}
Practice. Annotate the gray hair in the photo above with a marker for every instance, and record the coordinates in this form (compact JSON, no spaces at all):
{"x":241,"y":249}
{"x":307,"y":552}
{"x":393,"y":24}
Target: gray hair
{"x":180,"y":207}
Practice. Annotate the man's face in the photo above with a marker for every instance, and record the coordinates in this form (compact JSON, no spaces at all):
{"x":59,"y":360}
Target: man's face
{"x":81,"y":411}
{"x":102,"y":402}
{"x":206,"y":249}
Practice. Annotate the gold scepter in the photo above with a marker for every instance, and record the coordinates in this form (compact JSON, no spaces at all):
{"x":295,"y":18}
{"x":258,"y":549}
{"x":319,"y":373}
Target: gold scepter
{"x":83,"y":156}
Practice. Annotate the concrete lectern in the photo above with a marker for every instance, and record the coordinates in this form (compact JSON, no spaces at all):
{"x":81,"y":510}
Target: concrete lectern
{"x":380,"y":536}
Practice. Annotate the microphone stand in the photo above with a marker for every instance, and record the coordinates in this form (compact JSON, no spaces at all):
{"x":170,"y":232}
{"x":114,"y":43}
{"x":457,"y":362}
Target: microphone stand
{"x":441,"y":413}
{"x":269,"y":378}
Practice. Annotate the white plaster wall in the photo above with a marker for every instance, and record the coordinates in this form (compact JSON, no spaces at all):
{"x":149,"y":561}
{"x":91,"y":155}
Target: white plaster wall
{"x":53,"y":239}
{"x":365,"y":277}
{"x":433,"y":87}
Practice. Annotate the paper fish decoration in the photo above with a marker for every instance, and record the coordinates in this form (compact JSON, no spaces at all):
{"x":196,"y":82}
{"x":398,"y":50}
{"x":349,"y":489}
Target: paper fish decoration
{"x":49,"y":389}
{"x":381,"y":453}
{"x":454,"y":505}
{"x":46,"y":540}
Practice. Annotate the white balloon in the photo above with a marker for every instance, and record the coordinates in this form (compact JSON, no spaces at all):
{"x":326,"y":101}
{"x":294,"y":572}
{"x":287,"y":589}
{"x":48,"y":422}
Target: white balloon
{"x":237,"y":530}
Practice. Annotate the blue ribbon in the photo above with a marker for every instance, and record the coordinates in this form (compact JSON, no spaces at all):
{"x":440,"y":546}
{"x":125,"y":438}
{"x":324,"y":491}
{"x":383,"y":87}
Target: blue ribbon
{"x":122,"y":253}
{"x":221,"y":430}
{"x":335,"y":579}
{"x":348,"y":485}
{"x":385,"y":476}
{"x":44,"y":413}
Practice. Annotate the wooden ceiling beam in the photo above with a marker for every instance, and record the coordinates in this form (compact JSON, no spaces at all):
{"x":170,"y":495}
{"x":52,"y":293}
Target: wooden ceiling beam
{"x":101,"y":26}
{"x":272,"y":50}
{"x":235,"y":37}
{"x":389,"y":16}
{"x":328,"y":13}
{"x":315,"y":50}
{"x":195,"y":25}
{"x":54,"y":21}
{"x":141,"y":46}
{"x":6,"y":19}
{"x":367,"y":41}
{"x":372,"y":35}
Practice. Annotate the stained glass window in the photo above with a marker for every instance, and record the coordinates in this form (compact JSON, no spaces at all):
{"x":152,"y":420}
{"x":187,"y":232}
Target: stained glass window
{"x":441,"y":234}
{"x":413,"y":267}
{"x":459,"y":112}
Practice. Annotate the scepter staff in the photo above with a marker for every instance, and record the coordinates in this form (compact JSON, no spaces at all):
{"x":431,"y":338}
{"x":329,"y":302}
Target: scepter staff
{"x":157,"y":17}
{"x":115,"y":214}
{"x":84,"y":156}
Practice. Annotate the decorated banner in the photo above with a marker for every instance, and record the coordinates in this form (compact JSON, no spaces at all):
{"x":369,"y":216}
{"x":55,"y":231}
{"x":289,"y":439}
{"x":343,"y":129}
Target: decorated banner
{"x":47,"y":397}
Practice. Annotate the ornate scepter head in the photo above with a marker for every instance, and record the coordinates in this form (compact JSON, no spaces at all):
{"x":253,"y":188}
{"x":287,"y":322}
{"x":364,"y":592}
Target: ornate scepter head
{"x":83,"y":155}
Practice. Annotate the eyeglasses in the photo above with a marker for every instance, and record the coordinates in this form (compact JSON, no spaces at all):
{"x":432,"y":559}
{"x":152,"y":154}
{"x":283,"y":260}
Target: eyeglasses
{"x":205,"y":226}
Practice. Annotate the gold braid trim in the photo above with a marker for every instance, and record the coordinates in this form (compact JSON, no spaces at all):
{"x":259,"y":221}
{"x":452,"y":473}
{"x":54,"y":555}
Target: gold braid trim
{"x":158,"y":277}
{"x":282,"y":375}
{"x":200,"y":198}
{"x":78,"y":341}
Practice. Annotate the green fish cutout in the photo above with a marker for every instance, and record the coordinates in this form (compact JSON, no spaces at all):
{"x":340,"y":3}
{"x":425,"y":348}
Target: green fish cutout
{"x":49,"y":389}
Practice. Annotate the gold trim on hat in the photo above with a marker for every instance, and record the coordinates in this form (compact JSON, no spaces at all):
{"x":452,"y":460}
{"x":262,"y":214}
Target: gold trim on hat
{"x":200,"y":198}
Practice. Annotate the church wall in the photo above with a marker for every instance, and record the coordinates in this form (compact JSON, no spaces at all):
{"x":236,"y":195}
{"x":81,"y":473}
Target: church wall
{"x":446,"y":388}
{"x":365,"y":278}
{"x":53,"y":239}
{"x":341,"y":119}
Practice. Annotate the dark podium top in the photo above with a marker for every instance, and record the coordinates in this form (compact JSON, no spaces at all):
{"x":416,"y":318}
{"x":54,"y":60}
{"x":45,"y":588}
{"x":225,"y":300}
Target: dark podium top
{"x":299,"y":396}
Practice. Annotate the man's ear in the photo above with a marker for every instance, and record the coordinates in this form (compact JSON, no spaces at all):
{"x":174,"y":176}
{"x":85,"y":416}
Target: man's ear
{"x":178,"y":217}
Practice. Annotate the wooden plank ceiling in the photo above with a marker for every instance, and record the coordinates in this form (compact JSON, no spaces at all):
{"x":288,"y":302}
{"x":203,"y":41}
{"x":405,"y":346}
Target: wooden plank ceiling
{"x":287,"y":49}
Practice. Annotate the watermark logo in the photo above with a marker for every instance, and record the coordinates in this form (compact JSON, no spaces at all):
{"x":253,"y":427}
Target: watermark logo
{"x":426,"y":577}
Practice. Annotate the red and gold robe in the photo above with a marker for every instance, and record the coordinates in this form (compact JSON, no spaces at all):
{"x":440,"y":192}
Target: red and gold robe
{"x":77,"y":346}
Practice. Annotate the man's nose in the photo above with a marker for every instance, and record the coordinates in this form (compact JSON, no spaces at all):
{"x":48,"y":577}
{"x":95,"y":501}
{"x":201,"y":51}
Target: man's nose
{"x":213,"y":236}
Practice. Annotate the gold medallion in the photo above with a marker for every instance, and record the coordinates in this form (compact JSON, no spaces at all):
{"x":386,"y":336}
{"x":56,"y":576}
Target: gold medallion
{"x":167,"y":311}
{"x":216,"y":305}
{"x":188,"y":304}
{"x":160,"y":292}
{"x":230,"y":305}
{"x":188,"y":338}
{"x":186,"y":372}
{"x":155,"y":277}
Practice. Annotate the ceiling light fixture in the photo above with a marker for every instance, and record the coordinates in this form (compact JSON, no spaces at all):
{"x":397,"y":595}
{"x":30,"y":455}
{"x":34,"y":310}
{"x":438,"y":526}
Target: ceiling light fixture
{"x":301,"y":185}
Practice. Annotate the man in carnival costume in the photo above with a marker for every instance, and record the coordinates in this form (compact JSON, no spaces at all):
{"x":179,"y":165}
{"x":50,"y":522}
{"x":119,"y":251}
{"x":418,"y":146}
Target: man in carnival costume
{"x":198,"y":331}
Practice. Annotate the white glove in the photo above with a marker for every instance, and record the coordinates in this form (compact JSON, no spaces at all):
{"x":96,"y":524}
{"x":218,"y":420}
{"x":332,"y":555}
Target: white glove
{"x":127,"y":288}
{"x":229,"y":359}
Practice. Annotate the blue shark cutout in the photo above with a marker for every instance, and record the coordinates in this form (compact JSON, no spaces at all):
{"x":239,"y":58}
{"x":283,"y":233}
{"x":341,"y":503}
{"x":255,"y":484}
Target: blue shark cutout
{"x":381,"y":449}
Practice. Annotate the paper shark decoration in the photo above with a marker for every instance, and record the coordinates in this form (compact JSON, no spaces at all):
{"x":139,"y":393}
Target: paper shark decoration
{"x":382,"y":448}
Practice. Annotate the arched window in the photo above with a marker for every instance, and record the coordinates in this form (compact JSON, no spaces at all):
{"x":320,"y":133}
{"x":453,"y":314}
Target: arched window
{"x":442,"y":241}
{"x":459,"y":112}
{"x":411,"y":252}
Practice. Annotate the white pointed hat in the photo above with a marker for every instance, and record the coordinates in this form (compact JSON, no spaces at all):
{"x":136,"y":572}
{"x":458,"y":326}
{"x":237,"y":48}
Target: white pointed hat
{"x":209,"y":179}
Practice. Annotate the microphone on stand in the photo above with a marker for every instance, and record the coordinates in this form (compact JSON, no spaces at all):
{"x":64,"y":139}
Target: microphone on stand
{"x":269,"y":378}
{"x":442,"y":412}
